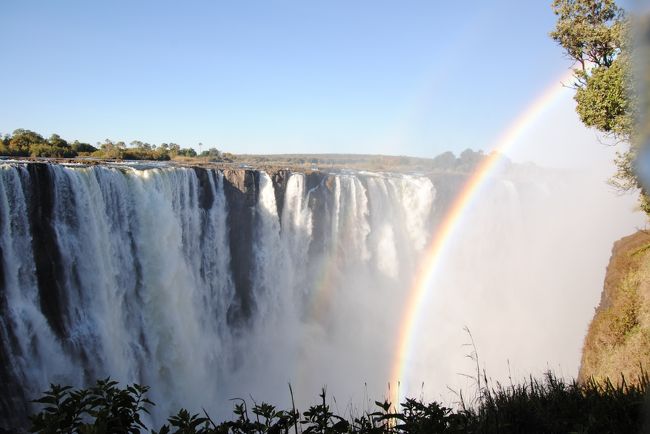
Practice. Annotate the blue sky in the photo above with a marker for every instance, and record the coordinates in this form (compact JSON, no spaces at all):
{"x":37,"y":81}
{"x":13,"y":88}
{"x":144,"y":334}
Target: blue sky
{"x":394,"y":77}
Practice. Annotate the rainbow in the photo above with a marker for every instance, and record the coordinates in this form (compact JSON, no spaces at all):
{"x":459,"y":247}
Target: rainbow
{"x":435,"y":251}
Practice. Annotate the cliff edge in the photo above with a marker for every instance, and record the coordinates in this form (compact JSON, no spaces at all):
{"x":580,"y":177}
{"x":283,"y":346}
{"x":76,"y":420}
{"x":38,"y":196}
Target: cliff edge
{"x":618,"y":339}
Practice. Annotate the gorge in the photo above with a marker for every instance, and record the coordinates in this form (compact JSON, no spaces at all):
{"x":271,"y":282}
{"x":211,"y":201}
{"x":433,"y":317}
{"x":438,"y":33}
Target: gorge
{"x":213,"y":283}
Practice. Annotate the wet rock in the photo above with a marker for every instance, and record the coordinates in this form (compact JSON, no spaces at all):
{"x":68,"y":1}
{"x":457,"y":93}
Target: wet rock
{"x":241,"y":189}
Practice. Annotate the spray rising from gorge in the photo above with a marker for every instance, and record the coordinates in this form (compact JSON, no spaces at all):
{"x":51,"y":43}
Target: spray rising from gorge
{"x":208,"y":284}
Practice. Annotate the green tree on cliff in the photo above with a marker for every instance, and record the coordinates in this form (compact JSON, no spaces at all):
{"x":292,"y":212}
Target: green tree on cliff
{"x":596,"y":35}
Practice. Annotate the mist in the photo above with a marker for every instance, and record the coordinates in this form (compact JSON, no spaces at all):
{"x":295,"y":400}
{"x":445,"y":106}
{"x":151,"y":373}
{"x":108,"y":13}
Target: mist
{"x":147,"y":283}
{"x":523,"y":273}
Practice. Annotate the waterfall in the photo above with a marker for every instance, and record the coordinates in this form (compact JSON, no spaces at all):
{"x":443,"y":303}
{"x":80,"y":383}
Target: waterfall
{"x":211,"y":284}
{"x":173,"y":277}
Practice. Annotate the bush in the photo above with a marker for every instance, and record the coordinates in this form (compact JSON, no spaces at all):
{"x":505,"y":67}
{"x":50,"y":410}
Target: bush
{"x":186,"y":152}
{"x":82,"y":147}
{"x":104,"y":408}
{"x":110,"y":153}
{"x":550,"y":405}
{"x":145,"y":154}
{"x":43,"y":150}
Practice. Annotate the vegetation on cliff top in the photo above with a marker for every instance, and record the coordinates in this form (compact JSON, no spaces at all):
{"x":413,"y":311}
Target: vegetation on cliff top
{"x":618,"y":340}
{"x":26,"y":143}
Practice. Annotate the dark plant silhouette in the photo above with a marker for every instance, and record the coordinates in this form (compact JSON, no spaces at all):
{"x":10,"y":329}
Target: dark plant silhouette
{"x":103,"y":408}
{"x":547,"y":405}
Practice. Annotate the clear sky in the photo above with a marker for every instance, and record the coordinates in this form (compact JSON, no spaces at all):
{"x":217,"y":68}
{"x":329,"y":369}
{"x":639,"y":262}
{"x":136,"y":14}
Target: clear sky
{"x":329,"y":76}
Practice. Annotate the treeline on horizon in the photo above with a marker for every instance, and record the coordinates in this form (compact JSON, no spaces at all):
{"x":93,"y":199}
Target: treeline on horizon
{"x":447,"y":161}
{"x":27,"y":143}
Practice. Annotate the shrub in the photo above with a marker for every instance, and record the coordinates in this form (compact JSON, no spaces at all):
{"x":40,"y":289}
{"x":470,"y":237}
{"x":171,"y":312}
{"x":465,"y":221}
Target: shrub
{"x":549,"y":405}
{"x":103,"y":408}
{"x":43,"y":150}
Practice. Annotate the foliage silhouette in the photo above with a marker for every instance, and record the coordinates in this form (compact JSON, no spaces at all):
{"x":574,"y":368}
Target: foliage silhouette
{"x":103,"y":408}
{"x":547,"y":405}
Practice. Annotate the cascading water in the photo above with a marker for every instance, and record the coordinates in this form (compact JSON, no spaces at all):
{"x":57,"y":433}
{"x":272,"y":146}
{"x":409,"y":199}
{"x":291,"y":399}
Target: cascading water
{"x":173,"y":277}
{"x":209,"y":284}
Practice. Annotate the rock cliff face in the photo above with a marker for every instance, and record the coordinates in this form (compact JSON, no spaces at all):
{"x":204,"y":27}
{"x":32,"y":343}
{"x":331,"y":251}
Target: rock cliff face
{"x":168,"y":276}
{"x":618,"y":339}
{"x":241,"y":188}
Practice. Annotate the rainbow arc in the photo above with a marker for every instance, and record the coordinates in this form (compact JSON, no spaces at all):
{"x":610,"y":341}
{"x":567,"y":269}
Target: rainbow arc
{"x":424,"y":281}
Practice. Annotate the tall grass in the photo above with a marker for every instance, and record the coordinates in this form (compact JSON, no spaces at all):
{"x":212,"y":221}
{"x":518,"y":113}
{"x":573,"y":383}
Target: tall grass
{"x":545,"y":405}
{"x":552,"y":405}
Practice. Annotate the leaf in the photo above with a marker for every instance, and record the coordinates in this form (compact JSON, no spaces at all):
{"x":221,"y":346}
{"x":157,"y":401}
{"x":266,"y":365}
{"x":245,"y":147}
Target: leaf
{"x":341,"y":426}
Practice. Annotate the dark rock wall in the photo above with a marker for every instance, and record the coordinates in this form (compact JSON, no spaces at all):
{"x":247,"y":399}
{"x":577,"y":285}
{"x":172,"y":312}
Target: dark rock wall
{"x":45,"y":246}
{"x":241,"y":188}
{"x":241,"y":191}
{"x":280,"y":179}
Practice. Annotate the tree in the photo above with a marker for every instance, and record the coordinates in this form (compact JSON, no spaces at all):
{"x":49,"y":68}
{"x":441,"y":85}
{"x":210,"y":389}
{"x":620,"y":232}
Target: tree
{"x":468,"y":160}
{"x":78,"y":146}
{"x":211,"y":153}
{"x":596,"y":35}
{"x":445,"y":161}
{"x":591,"y":31}
{"x":57,"y":141}
{"x":22,"y":140}
{"x":110,"y":149}
{"x":186,"y":152}
{"x":174,"y":148}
